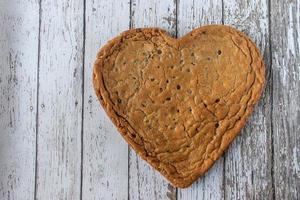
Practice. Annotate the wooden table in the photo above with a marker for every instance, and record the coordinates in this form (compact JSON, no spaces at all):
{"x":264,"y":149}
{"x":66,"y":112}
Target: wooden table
{"x":57,"y":143}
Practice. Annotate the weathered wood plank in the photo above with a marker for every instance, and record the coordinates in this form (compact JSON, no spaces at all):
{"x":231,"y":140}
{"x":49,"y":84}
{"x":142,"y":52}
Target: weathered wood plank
{"x":60,"y":100}
{"x":249,"y":159}
{"x":144,"y":182}
{"x":105,"y":153}
{"x":192,"y":14}
{"x":285,"y":42}
{"x":19,"y":22}
{"x":154,"y":13}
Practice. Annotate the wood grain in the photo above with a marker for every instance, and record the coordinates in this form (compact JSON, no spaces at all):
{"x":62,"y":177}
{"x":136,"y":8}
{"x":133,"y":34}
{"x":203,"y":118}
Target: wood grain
{"x":47,"y":49}
{"x":60,"y":100}
{"x":144,"y":182}
{"x":193,"y":14}
{"x":248,"y":161}
{"x":105,"y":153}
{"x":19,"y":27}
{"x":285,"y":42}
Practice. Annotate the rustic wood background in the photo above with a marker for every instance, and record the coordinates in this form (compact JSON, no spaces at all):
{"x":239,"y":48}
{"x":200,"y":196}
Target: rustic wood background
{"x":57,"y":143}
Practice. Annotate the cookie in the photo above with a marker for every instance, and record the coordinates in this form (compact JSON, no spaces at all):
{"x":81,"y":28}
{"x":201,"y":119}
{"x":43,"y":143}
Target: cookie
{"x":179,"y":103}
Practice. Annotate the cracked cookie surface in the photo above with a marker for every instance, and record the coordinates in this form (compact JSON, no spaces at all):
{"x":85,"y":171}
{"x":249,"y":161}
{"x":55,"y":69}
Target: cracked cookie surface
{"x":179,"y":103}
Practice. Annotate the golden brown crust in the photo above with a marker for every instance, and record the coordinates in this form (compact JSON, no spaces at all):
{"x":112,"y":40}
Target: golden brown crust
{"x":179,"y":103}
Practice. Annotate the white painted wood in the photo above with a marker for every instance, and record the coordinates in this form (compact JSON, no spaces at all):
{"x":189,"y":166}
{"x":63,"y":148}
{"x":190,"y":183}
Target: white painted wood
{"x":248,"y":160}
{"x":285,"y":42}
{"x":60,"y":100}
{"x":209,"y":186}
{"x":250,"y":170}
{"x":192,"y":14}
{"x":19,"y":27}
{"x":144,"y":181}
{"x":155,"y":13}
{"x":105,"y":153}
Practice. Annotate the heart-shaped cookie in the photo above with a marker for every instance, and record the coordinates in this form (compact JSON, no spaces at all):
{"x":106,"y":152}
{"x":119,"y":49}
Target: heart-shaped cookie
{"x":179,"y":103}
